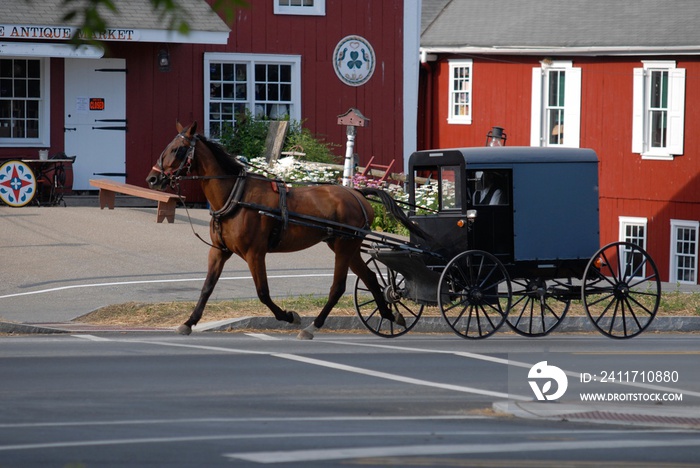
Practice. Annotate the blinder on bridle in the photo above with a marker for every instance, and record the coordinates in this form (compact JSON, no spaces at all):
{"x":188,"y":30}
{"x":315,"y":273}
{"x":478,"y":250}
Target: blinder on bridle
{"x":184,"y":154}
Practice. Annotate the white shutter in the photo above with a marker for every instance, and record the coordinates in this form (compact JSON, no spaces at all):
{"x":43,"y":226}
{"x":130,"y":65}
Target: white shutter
{"x":572,"y":108}
{"x":676,"y":110}
{"x":638,"y":100}
{"x":536,"y":112}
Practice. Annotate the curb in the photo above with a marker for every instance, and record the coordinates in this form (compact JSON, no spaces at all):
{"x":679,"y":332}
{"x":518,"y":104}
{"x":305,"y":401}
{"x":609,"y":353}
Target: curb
{"x":573,"y":324}
{"x":656,"y":416}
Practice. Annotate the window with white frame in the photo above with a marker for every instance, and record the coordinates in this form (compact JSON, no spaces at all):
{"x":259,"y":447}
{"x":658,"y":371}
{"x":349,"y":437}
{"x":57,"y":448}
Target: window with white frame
{"x":556,"y":105}
{"x":267,"y":86}
{"x":634,"y":231}
{"x":24,"y":89}
{"x":684,"y":251}
{"x":658,"y":110}
{"x":460,"y":92}
{"x":300,"y":7}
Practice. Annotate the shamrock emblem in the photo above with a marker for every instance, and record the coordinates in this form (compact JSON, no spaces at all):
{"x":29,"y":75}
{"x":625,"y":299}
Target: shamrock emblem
{"x":354,"y":62}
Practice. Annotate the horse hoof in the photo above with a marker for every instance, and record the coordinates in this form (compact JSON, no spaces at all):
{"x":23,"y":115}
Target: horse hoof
{"x":304,"y":335}
{"x":399,"y":320}
{"x":307,"y":333}
{"x":184,"y":329}
{"x":296,"y":320}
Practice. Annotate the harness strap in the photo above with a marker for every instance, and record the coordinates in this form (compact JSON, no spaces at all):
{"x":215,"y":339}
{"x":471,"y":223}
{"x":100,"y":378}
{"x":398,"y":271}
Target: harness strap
{"x":228,"y":209}
{"x":279,"y":187}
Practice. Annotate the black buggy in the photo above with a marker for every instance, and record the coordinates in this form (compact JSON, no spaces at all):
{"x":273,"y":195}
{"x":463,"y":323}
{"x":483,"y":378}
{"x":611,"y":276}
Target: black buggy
{"x":514,"y":240}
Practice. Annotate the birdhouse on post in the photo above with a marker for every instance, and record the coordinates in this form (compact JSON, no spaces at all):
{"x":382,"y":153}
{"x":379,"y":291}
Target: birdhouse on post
{"x":352,"y":119}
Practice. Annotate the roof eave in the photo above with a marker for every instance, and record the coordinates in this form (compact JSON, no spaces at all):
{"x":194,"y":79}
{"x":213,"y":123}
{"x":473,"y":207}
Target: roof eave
{"x":568,"y":51}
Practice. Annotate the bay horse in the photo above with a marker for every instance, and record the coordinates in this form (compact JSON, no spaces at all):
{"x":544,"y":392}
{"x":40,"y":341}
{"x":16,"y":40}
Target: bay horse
{"x":251,"y":217}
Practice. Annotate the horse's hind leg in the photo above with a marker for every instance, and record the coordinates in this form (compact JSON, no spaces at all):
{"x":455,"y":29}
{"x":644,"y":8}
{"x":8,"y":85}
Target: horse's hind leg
{"x":367,"y":276}
{"x":340,"y":277}
{"x":217,"y":259}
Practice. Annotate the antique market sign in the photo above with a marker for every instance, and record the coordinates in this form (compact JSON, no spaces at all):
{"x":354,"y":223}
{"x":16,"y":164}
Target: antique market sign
{"x":34,"y":32}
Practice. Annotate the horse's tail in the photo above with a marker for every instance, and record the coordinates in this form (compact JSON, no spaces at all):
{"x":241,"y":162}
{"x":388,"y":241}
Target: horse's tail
{"x":395,"y":210}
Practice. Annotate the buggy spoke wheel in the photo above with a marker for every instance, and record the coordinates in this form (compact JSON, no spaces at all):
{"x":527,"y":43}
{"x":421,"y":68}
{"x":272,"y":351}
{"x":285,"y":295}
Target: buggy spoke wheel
{"x":536,"y":309}
{"x":392,"y":284}
{"x":621,"y":290}
{"x":474,"y":294}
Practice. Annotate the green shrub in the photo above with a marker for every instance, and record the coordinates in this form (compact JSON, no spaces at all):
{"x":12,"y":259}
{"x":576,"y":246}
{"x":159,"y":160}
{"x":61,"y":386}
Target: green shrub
{"x":316,"y":149}
{"x":247,"y":138}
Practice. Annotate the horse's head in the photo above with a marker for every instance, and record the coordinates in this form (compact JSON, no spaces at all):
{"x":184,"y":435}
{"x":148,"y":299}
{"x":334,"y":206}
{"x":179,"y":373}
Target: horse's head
{"x":175,"y":159}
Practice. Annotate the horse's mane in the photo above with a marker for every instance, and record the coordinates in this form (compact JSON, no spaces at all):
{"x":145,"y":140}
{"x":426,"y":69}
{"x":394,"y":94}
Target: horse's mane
{"x":229,"y":163}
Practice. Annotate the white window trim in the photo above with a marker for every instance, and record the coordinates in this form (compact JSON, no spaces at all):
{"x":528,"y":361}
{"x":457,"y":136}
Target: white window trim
{"x":572,"y":104}
{"x":318,"y":9}
{"x":460,"y":119}
{"x":625,"y":221}
{"x":44,"y":139}
{"x":676,"y":111}
{"x":251,"y":60}
{"x":673,"y":264}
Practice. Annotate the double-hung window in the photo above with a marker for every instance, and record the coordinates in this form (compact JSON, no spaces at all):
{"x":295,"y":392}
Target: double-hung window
{"x":300,"y":7}
{"x":24,"y":89}
{"x":556,"y":105}
{"x":460,"y":92}
{"x":267,"y":86}
{"x":658,"y":110}
{"x":634,"y":231}
{"x":684,"y":251}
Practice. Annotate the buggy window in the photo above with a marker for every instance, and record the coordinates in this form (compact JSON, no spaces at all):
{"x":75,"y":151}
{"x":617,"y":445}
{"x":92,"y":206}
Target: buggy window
{"x":437,"y":188}
{"x":450,"y":198}
{"x":489,"y":187}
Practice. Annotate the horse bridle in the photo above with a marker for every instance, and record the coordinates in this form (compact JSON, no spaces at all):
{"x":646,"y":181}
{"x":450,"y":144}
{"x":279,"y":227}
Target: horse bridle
{"x":186,"y":162}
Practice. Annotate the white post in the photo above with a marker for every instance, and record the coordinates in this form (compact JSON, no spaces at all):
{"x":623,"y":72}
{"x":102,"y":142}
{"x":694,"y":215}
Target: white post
{"x":349,"y":160}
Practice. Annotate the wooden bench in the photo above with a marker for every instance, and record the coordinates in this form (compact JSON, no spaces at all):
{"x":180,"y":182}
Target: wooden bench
{"x":109,"y":188}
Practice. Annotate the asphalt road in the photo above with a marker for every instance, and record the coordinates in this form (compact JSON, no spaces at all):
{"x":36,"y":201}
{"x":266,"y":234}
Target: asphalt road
{"x":225,"y":399}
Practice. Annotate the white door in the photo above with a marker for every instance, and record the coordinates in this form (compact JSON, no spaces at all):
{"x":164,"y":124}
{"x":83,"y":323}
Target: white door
{"x":95,"y":119}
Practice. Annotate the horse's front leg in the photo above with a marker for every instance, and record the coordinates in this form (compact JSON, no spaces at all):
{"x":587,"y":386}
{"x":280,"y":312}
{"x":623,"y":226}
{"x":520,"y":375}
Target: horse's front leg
{"x":256,"y":264}
{"x":217,"y":259}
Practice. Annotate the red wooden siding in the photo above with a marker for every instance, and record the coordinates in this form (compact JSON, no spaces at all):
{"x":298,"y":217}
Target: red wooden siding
{"x":629,"y":186}
{"x":155,"y":100}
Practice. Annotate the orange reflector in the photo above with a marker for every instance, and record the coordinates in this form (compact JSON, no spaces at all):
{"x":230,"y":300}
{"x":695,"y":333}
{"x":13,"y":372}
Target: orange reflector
{"x":460,"y":223}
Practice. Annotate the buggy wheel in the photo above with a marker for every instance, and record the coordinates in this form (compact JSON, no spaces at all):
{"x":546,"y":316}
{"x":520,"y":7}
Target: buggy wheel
{"x":621,"y":290}
{"x":474,"y":294}
{"x":536,"y":309}
{"x":393,"y":285}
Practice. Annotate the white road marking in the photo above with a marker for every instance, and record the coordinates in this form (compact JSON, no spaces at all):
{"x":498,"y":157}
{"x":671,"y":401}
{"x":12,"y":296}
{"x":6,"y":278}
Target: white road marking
{"x":345,"y":368}
{"x":262,"y":336}
{"x":180,"y":280}
{"x":342,"y":453}
{"x":146,"y":422}
{"x":91,"y":337}
{"x":400,"y":378}
{"x":510,"y":362}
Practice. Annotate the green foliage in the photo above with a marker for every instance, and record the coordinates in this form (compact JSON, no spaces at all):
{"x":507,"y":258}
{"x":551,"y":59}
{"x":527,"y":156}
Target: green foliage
{"x":247,"y":138}
{"x":317,"y":149}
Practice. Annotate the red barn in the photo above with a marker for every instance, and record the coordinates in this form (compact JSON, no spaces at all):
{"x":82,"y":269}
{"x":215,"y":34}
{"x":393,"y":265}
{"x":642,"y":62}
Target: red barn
{"x":115,"y":108}
{"x":618,"y":77}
